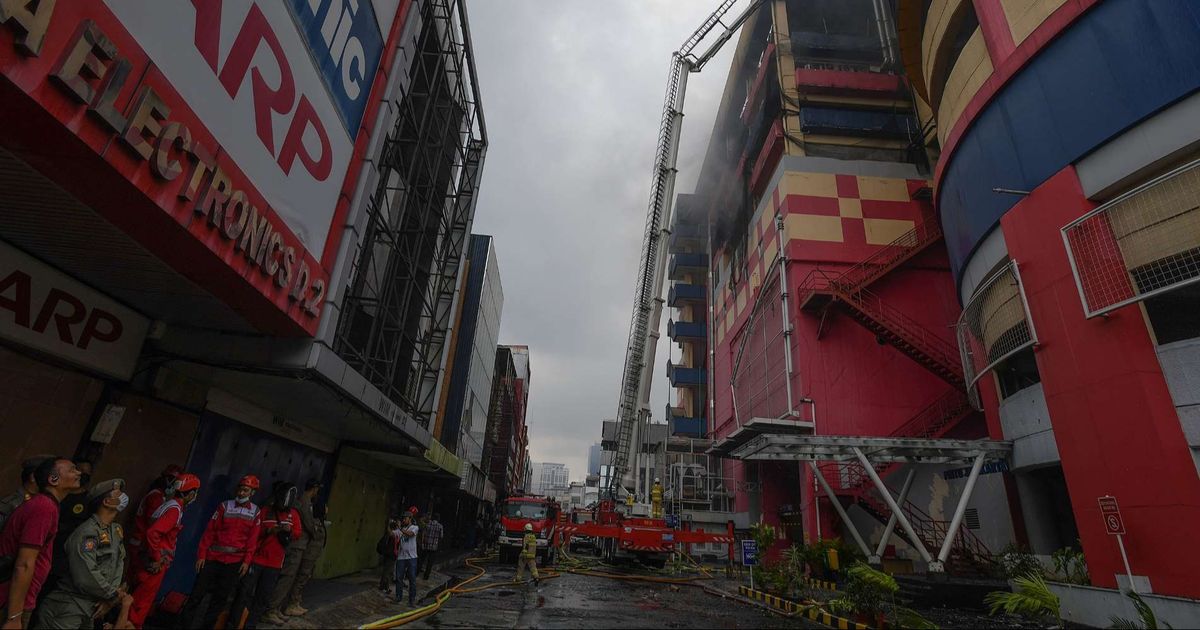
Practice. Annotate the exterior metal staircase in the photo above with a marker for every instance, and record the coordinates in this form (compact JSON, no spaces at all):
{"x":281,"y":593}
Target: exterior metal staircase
{"x":891,"y":256}
{"x":847,"y":290}
{"x":968,"y":555}
{"x":822,"y":289}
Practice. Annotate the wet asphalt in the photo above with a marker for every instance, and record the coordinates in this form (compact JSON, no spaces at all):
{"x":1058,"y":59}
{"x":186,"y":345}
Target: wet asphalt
{"x":578,"y":601}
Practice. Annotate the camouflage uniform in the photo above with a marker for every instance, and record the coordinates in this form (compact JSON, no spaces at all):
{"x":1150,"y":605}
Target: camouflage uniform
{"x":96,"y":559}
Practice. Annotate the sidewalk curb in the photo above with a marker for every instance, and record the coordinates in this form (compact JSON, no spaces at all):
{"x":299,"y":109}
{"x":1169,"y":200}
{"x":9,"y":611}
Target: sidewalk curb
{"x":793,"y":608}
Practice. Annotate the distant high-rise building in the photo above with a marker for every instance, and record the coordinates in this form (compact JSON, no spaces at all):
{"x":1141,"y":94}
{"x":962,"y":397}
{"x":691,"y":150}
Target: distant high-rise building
{"x":594,"y":459}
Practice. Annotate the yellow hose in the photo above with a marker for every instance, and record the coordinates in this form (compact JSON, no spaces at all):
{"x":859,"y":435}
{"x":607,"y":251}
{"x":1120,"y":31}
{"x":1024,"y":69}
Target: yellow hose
{"x":574,"y":565}
{"x":424,"y":611}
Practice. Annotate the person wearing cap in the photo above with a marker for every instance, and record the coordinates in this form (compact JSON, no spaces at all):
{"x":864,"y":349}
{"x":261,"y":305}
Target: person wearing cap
{"x":162,"y":489}
{"x":295,"y":551}
{"x":314,"y":532}
{"x":28,"y":488}
{"x":95,"y":560}
{"x":224,"y":555}
{"x":158,"y":549}
{"x":528,"y":556}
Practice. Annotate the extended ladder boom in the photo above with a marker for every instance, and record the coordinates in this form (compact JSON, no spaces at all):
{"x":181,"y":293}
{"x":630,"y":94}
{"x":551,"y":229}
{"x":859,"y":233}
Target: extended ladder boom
{"x":633,"y":410}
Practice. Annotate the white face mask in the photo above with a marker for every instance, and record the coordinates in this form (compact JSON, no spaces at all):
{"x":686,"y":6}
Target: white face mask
{"x":123,"y":502}
{"x":241,"y":500}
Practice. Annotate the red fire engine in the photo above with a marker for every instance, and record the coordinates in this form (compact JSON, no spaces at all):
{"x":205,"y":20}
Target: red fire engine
{"x":648,"y":540}
{"x":518,"y":511}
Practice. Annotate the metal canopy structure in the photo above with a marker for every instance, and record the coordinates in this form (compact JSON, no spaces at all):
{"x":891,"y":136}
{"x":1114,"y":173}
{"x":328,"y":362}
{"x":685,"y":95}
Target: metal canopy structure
{"x":759,"y":428}
{"x":882,"y":450}
{"x":870,"y":452}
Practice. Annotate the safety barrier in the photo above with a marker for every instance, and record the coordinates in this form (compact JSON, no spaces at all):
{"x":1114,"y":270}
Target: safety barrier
{"x":807,"y":611}
{"x":819,"y":584}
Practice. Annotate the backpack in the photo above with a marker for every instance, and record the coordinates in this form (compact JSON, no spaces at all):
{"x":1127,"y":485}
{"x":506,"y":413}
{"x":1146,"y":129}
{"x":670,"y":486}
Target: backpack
{"x":386,"y":546}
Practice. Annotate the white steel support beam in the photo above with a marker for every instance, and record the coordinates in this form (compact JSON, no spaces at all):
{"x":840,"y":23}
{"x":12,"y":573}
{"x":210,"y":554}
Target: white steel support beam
{"x":840,"y":510}
{"x":896,"y":511}
{"x":956,"y":522}
{"x":891,"y":524}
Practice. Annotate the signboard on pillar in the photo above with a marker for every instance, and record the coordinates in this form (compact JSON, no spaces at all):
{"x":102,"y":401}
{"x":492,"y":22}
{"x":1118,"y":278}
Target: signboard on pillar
{"x":46,"y":310}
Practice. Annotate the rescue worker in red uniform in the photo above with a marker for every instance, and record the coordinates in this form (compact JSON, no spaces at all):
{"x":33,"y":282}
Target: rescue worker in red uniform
{"x":158,"y":548}
{"x":163,"y":489}
{"x":279,"y":522}
{"x":224,"y":555}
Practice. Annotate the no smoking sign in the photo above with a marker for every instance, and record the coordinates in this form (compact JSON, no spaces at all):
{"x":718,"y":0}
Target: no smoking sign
{"x":1111,"y":513}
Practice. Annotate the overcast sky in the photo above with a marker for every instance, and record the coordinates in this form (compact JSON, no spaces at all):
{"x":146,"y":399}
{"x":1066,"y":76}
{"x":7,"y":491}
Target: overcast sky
{"x":572,"y":92}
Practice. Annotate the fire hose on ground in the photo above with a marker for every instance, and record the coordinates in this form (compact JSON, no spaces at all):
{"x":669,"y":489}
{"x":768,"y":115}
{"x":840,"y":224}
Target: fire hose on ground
{"x":570,"y":564}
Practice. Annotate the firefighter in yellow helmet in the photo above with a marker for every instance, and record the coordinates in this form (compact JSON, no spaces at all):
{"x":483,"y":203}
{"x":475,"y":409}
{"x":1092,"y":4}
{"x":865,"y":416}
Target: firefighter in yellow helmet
{"x":528,"y":556}
{"x":656,"y":496}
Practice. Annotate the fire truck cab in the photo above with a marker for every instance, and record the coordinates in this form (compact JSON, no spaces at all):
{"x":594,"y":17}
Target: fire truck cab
{"x":541,"y":513}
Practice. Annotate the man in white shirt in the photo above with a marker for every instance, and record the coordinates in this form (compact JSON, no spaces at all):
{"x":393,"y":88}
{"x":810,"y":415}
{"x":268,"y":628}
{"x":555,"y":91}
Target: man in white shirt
{"x":406,"y":558}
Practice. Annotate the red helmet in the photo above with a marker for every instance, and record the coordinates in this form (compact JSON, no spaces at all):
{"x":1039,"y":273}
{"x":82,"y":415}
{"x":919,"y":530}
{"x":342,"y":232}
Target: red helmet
{"x":413,"y":510}
{"x":250,"y":481}
{"x":186,"y":482}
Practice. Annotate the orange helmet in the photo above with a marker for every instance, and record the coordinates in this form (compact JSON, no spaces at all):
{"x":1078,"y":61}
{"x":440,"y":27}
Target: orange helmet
{"x":186,"y":482}
{"x":250,"y":481}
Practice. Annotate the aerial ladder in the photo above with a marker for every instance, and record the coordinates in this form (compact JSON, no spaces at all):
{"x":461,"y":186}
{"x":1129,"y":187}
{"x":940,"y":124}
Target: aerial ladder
{"x":633,"y":411}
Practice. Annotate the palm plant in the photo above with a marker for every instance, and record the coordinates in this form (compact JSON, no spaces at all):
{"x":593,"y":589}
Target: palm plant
{"x":872,"y":593}
{"x":1145,"y":615}
{"x":1033,"y":598}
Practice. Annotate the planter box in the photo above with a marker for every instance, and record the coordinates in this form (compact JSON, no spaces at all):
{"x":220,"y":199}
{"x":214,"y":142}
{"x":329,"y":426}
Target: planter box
{"x":1093,"y":606}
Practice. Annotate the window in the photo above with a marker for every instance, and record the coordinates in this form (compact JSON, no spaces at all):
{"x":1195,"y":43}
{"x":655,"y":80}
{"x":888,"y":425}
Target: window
{"x":1175,"y":315}
{"x":960,"y":30}
{"x":1017,"y":373}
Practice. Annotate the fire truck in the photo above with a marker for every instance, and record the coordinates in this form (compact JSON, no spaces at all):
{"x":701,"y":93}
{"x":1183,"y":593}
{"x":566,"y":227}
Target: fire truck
{"x":650,"y":541}
{"x":625,"y":530}
{"x":518,"y":511}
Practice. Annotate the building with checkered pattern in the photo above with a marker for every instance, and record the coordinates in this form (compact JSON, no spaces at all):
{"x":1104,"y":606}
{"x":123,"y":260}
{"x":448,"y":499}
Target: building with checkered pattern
{"x":1065,"y":146}
{"x":830,"y":296}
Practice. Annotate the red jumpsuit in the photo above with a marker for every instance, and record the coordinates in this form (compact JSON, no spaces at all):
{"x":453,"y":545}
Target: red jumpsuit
{"x":158,"y":550}
{"x":141,"y":521}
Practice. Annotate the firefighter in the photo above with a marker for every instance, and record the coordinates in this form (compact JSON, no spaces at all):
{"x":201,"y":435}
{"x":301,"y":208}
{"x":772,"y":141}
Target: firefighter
{"x":157,"y":550}
{"x":528,"y":556}
{"x":224,"y":554}
{"x":95,"y":553}
{"x":162,"y":489}
{"x":656,"y":496}
{"x":281,"y":525}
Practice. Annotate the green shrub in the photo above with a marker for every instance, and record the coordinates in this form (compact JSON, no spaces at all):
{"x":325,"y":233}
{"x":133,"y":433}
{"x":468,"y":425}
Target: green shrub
{"x":1033,"y":598}
{"x":1019,"y":562}
{"x":872,"y":593}
{"x":1070,"y":566}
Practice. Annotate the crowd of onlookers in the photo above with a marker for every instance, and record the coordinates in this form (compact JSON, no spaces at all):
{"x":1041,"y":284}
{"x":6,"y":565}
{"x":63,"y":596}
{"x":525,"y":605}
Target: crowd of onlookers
{"x":409,"y":547}
{"x":66,"y":561}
